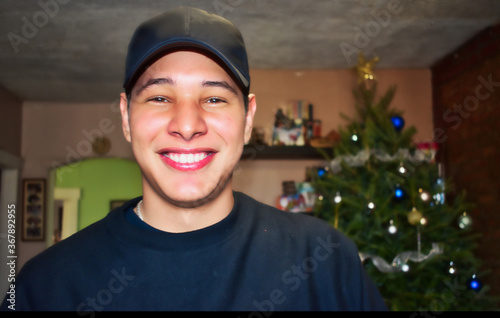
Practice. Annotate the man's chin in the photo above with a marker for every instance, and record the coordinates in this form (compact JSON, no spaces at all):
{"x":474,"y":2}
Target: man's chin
{"x":190,"y":203}
{"x":200,"y":199}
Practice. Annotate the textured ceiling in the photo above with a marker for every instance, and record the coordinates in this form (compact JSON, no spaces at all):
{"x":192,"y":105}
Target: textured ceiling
{"x":74,"y":51}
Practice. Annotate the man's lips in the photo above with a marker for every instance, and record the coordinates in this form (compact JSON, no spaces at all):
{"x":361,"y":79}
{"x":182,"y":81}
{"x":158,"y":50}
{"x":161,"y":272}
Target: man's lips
{"x":187,"y":159}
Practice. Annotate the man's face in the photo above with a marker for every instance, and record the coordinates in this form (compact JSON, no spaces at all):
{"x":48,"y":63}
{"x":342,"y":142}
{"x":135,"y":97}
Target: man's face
{"x":187,"y":125}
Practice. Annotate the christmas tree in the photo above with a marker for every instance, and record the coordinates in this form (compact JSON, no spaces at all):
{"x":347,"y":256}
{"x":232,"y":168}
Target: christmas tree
{"x":387,"y":194}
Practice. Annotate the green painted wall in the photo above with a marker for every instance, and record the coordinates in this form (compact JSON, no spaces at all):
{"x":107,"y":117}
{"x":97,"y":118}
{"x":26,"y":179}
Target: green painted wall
{"x":101,"y":181}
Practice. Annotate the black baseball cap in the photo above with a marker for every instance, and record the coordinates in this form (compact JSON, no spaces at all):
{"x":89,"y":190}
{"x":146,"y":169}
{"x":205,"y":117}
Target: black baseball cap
{"x":187,"y":28}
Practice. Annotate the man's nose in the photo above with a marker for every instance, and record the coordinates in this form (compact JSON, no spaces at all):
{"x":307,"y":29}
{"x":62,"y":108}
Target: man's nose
{"x":187,"y":122}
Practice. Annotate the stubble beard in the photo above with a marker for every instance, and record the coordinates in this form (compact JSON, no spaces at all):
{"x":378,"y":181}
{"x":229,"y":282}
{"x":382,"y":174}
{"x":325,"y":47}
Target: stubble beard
{"x":208,"y":198}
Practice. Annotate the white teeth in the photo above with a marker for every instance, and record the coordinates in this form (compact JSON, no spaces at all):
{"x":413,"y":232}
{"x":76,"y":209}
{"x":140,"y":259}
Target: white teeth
{"x":187,"y":157}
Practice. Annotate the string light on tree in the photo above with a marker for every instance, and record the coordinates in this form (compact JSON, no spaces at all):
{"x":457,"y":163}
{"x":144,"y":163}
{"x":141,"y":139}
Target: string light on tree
{"x":439,"y":196}
{"x":423,"y":221}
{"x":402,"y":169}
{"x":354,"y":137}
{"x":464,"y":221}
{"x":405,"y":268}
{"x":392,"y":228}
{"x":452,"y":269}
{"x":424,"y":195}
{"x":337,"y":199}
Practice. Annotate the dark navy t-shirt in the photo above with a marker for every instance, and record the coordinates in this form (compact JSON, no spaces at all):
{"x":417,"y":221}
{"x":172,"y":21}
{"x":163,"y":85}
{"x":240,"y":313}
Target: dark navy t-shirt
{"x":258,"y":258}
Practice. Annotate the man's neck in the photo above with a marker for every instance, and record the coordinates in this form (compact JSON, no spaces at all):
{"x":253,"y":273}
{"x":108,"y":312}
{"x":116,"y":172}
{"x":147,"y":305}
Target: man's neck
{"x":165,"y":216}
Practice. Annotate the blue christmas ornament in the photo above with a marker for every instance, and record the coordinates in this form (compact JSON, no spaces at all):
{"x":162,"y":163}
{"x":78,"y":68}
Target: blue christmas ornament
{"x":321,"y":172}
{"x":474,"y":283}
{"x":398,"y":122}
{"x":399,"y":194}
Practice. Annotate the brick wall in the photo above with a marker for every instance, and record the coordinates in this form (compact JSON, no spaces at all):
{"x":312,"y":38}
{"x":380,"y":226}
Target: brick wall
{"x":466,"y":112}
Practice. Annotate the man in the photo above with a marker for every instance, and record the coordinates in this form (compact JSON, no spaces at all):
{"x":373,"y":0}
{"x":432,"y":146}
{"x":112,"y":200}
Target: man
{"x":190,"y":242}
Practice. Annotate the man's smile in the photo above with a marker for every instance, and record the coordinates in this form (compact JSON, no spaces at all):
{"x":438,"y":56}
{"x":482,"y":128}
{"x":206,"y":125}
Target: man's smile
{"x":187,"y":159}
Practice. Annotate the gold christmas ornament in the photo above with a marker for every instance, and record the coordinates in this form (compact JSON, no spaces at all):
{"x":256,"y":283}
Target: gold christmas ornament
{"x":364,"y":69}
{"x":414,"y":216}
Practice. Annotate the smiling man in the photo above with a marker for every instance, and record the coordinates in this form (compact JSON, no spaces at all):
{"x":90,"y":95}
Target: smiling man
{"x":187,"y":122}
{"x":191,"y":242}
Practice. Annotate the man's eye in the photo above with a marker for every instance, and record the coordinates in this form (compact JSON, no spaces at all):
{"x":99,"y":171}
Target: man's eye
{"x":215,"y":100}
{"x":159,"y":99}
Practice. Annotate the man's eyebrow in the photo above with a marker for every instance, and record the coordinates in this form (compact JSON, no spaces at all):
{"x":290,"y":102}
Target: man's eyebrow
{"x":155,"y":81}
{"x":222,"y":84}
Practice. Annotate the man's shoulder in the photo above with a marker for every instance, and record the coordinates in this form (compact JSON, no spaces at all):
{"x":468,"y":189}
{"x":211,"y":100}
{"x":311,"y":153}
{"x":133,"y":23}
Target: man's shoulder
{"x":74,"y":249}
{"x":295,"y":225}
{"x":273,"y":214}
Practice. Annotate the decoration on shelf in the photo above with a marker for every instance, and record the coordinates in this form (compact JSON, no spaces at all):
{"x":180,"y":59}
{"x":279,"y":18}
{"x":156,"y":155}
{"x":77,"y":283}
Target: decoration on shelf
{"x":414,"y":216}
{"x":429,"y":149}
{"x":296,"y":198}
{"x":364,"y":69}
{"x":401,"y":259}
{"x":332,"y":138}
{"x":294,"y":124}
{"x":398,"y":122}
{"x":464,"y":221}
{"x":362,"y":157}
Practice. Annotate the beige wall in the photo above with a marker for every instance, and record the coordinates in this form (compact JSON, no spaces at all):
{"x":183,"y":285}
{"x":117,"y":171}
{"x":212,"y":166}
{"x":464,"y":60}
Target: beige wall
{"x":57,"y":132}
{"x":331,"y":94}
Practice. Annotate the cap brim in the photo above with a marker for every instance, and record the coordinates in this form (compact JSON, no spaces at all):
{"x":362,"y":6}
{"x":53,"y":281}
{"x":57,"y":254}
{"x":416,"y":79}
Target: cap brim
{"x":188,"y":44}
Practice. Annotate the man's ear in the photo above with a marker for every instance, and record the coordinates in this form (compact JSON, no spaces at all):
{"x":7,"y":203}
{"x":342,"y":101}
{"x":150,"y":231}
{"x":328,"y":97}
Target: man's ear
{"x":252,"y":107}
{"x":125,"y":117}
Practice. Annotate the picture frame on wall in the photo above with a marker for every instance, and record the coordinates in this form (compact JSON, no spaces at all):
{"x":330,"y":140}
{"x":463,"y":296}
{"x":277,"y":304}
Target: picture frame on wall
{"x":33,"y":212}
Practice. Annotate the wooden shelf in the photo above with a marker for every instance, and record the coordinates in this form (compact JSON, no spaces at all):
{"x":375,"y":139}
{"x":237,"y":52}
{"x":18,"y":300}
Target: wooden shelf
{"x":256,"y":152}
